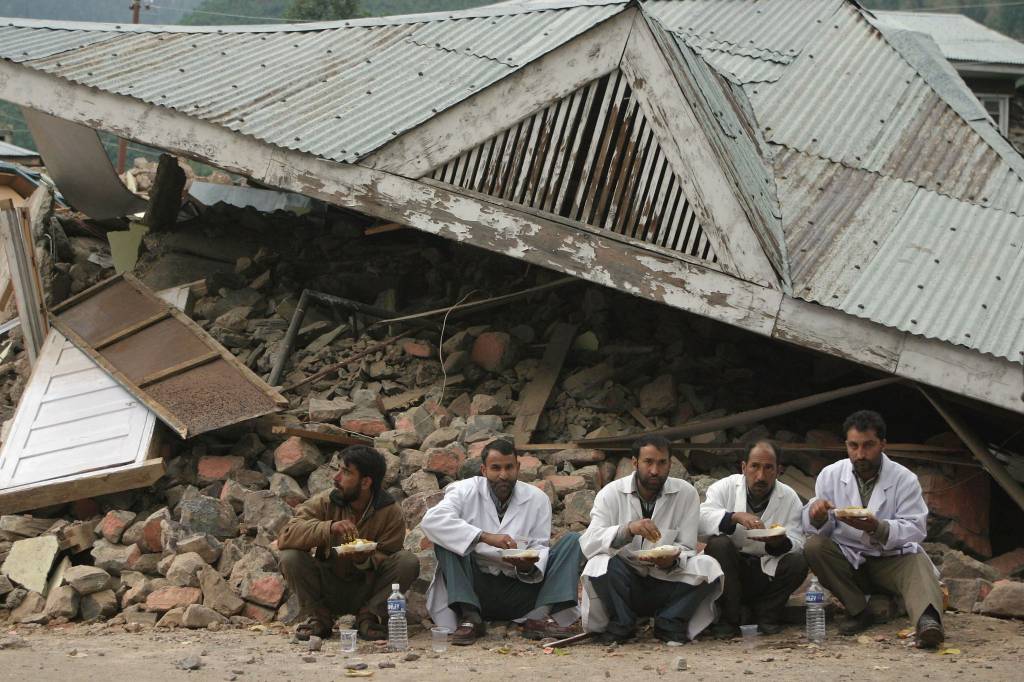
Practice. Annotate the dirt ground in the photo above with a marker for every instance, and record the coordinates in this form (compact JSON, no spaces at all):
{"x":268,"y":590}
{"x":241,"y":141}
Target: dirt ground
{"x":989,"y":649}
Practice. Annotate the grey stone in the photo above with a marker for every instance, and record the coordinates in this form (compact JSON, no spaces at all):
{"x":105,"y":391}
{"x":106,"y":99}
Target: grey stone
{"x":1006,"y":600}
{"x":288,"y":489}
{"x":15,"y":527}
{"x":583,"y":382}
{"x":199,"y":616}
{"x":206,"y":546}
{"x":204,"y":514}
{"x":255,"y":560}
{"x":321,"y":479}
{"x":98,"y":605}
{"x":190,"y":662}
{"x":956,"y":564}
{"x":659,"y":396}
{"x":440,"y":438}
{"x":184,"y":570}
{"x":30,"y":560}
{"x":31,"y":606}
{"x":420,"y":482}
{"x":87,"y":579}
{"x":217,"y":594}
{"x":329,"y":410}
{"x":267,"y":511}
{"x":481,"y":427}
{"x":62,"y":602}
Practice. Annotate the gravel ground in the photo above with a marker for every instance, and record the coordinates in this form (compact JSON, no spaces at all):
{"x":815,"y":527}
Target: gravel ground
{"x":989,"y":649}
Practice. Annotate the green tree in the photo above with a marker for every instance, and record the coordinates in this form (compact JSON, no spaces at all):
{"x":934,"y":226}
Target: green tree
{"x":322,"y":10}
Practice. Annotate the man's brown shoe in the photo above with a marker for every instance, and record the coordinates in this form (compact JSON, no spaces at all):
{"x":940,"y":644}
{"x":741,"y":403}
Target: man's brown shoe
{"x":543,"y":629}
{"x":857,"y":623}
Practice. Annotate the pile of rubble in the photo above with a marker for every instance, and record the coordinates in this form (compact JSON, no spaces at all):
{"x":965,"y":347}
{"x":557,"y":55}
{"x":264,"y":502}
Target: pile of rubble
{"x":198,"y":549}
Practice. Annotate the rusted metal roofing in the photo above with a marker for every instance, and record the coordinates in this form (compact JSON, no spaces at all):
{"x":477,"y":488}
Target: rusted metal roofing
{"x":192,"y":383}
{"x":855,"y":133}
{"x":339,"y":91}
{"x":960,"y":38}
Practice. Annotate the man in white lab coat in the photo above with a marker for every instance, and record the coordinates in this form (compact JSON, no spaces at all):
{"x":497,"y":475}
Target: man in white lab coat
{"x":639,"y":512}
{"x":476,"y":523}
{"x":876,"y":551}
{"x":760,"y":572}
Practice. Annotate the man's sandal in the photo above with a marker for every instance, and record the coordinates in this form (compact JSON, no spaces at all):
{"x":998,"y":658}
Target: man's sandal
{"x":311,"y":627}
{"x":467,"y":633}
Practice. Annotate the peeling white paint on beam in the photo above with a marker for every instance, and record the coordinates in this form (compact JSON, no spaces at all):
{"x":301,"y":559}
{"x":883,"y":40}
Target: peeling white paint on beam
{"x":548,"y":243}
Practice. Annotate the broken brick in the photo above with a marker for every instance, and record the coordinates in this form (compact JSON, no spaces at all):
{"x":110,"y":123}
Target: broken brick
{"x":217,"y":468}
{"x":297,"y":457}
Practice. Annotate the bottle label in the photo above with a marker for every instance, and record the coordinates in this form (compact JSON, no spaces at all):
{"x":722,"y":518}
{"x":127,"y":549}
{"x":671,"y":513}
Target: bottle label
{"x":814,"y":598}
{"x":396,"y":606}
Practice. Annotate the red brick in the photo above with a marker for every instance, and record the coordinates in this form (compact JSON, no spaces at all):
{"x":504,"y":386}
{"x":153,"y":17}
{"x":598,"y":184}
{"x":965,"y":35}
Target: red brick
{"x":368,"y":426}
{"x":564,"y":485}
{"x":114,"y":524}
{"x":965,"y":502}
{"x":266,"y":589}
{"x":529,"y":468}
{"x":1009,"y":564}
{"x":418,"y":349}
{"x":260,"y":614}
{"x":217,"y":468}
{"x":493,"y":351}
{"x":152,"y":532}
{"x":297,"y":457}
{"x":445,"y":460}
{"x":546,"y":488}
{"x":167,"y":598}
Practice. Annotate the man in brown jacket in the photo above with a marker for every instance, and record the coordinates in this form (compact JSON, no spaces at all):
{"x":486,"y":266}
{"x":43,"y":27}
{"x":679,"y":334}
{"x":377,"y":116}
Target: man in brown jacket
{"x":329,"y":583}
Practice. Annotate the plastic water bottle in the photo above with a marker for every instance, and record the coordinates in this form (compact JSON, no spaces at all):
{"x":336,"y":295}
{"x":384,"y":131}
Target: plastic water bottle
{"x":398,"y":628}
{"x":814,"y":599}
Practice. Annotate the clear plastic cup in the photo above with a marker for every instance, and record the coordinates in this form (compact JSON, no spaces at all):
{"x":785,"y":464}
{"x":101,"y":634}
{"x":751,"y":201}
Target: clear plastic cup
{"x":439,"y":639}
{"x":347,"y":638}
{"x":749,"y":633}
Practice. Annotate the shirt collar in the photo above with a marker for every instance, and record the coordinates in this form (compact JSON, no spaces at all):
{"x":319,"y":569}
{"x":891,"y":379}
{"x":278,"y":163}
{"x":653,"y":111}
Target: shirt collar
{"x":498,"y":504}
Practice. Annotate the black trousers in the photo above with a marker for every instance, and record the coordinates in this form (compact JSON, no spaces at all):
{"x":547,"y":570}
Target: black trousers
{"x":626,"y":595}
{"x":747,"y":585}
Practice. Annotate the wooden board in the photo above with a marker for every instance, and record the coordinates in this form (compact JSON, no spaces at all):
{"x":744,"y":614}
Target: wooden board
{"x":536,"y":393}
{"x":163,"y":358}
{"x":68,"y":490}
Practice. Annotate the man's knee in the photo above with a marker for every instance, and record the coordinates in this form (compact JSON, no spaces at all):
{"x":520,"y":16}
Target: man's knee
{"x":294,"y":561}
{"x":793,"y":567}
{"x":407,"y":568}
{"x":719,"y":545}
{"x":817,"y":547}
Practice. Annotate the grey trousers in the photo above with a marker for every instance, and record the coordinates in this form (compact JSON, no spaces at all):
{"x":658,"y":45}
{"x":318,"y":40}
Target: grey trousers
{"x":501,"y":597}
{"x":323,"y":594}
{"x":910,"y":576}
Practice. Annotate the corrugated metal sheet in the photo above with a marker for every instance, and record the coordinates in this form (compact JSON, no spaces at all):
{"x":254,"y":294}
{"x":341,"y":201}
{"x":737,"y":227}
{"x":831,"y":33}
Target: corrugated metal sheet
{"x":20,"y":44}
{"x":12,"y":150}
{"x":338,"y":93}
{"x":727,"y":116}
{"x":743,"y":69}
{"x":776,"y":31}
{"x":959,"y":37}
{"x":951,"y":271}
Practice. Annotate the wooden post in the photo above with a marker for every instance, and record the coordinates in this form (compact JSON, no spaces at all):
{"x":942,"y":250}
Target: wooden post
{"x":165,"y":197}
{"x":28,"y":289}
{"x":535,"y":395}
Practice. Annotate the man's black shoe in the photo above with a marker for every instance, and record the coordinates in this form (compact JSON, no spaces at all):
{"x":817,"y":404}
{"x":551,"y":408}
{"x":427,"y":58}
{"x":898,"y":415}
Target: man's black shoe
{"x":852,"y":624}
{"x":929,"y":633}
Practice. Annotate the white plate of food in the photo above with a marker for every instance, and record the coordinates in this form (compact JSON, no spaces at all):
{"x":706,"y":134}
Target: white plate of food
{"x":520,"y":554}
{"x":854,"y":513}
{"x":660,"y":552}
{"x":356,"y":546}
{"x":760,"y":533}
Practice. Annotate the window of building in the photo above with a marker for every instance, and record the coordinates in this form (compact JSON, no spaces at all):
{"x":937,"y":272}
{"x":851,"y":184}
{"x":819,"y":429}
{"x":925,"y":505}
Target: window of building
{"x":998,"y":107}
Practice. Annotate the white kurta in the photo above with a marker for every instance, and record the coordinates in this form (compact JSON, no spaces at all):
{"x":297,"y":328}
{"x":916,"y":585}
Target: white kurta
{"x":896,"y":498}
{"x":677,"y":516}
{"x":730,"y":495}
{"x":466,"y":510}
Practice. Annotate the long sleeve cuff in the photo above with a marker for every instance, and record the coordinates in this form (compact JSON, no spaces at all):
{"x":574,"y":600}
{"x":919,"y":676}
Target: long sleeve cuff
{"x":881,"y":534}
{"x":623,"y":537}
{"x":726,"y":525}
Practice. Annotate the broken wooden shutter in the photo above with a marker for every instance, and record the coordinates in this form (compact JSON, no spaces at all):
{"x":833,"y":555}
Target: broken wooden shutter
{"x":591,"y":157}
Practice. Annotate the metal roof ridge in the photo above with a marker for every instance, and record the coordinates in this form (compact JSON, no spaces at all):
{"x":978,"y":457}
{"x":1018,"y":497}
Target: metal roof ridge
{"x":369,"y":22}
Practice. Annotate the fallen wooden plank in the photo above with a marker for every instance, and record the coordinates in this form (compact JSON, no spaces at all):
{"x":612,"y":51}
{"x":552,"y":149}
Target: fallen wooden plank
{"x":536,"y":393}
{"x":798,"y":481}
{"x":24,"y":274}
{"x":45,"y":494}
{"x":319,"y":437}
{"x":642,"y":419}
{"x":381,"y":229}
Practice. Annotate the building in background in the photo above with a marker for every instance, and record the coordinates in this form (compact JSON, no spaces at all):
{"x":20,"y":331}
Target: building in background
{"x":992,"y":64}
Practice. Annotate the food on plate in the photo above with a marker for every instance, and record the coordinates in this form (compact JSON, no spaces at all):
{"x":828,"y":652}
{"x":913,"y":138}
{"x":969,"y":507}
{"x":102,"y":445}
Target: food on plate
{"x":853,"y":512}
{"x":357,"y":545}
{"x":764,"y":533}
{"x":660,"y":552}
{"x":520,"y":554}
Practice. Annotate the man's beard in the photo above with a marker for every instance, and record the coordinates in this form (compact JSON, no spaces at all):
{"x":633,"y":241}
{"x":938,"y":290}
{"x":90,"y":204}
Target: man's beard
{"x":503,"y":489}
{"x":652,"y":483}
{"x":349,"y":495}
{"x":864,"y":468}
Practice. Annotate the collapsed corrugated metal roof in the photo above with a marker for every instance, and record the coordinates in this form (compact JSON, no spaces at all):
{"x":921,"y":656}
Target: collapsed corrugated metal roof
{"x":960,"y":38}
{"x":339,"y":91}
{"x":865,"y":139}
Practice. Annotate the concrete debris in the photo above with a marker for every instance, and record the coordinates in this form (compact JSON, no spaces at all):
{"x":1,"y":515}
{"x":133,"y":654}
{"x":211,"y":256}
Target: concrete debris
{"x":29,"y":562}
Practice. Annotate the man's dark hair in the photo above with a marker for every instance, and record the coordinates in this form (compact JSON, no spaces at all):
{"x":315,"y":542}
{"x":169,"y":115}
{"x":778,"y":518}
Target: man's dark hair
{"x":660,"y":443}
{"x":368,"y":462}
{"x":499,"y":445}
{"x":776,"y":450}
{"x":865,"y":420}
